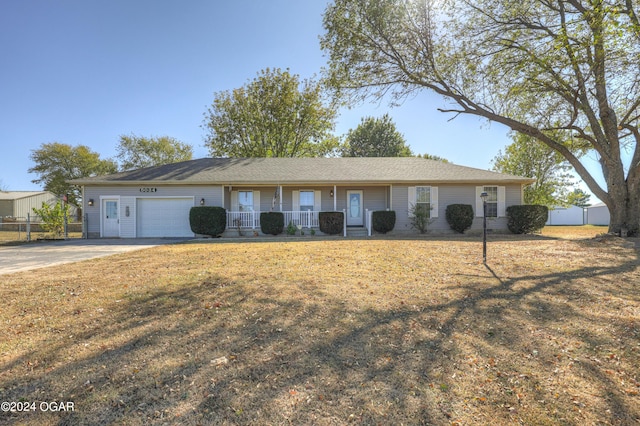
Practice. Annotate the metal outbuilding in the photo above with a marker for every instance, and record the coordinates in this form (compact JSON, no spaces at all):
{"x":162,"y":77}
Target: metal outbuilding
{"x":19,"y":204}
{"x":598,"y":214}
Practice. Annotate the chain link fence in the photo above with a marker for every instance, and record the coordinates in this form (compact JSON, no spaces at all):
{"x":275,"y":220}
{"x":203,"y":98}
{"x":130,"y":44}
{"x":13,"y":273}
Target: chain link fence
{"x":21,"y":229}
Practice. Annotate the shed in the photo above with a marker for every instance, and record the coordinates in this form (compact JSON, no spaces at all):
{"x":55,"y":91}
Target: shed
{"x":572,"y":215}
{"x":598,"y":214}
{"x":19,"y":204}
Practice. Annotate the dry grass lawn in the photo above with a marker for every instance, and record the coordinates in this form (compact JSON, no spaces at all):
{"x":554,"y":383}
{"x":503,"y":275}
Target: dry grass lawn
{"x":330,"y":332}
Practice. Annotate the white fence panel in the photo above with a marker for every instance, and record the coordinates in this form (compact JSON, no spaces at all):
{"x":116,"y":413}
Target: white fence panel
{"x":306,"y":219}
{"x":249,"y":219}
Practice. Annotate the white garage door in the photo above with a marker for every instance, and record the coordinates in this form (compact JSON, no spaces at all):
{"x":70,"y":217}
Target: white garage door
{"x":163,"y":217}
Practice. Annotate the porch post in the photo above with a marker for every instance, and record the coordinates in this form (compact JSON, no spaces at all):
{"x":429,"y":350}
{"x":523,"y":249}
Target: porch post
{"x":280,"y":195}
{"x":335,"y":198}
{"x":344,"y":221}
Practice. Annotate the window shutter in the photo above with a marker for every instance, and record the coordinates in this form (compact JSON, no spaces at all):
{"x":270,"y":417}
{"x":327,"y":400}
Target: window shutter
{"x":502,"y":198}
{"x":434,"y":201}
{"x":295,"y":198}
{"x":234,"y":201}
{"x":412,"y":199}
{"x":256,"y":201}
{"x":479,"y":209}
{"x":317,"y":201}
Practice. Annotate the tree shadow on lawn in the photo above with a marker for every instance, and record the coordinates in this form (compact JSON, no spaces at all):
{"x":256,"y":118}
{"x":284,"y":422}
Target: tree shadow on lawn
{"x":489,"y":350}
{"x":447,"y":237}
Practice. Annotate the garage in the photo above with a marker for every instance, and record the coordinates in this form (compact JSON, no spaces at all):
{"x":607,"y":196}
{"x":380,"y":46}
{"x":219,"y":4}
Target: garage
{"x":163,"y":217}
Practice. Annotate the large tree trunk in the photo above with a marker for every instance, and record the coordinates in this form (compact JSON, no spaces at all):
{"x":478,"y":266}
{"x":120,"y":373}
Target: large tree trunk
{"x":624,"y":209}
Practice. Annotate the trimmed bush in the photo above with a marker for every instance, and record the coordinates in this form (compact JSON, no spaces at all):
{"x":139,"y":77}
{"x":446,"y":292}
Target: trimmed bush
{"x":208,"y":220}
{"x":272,"y":222}
{"x":459,"y":217}
{"x":527,"y":218}
{"x":383,"y":221}
{"x":331,"y":222}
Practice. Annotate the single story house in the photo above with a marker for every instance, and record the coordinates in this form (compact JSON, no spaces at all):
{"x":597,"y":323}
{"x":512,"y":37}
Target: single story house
{"x":19,"y":204}
{"x":598,"y":214}
{"x":155,"y":201}
{"x":572,"y":215}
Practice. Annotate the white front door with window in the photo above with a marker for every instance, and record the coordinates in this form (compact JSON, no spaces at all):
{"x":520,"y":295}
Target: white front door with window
{"x":355,"y":212}
{"x":110,"y":218}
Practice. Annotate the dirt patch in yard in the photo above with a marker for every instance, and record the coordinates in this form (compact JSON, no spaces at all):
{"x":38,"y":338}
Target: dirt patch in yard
{"x":327,"y":332}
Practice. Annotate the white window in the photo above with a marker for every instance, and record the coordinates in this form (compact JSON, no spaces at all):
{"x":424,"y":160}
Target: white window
{"x":111,"y":209}
{"x":307,"y":199}
{"x":426,"y":197}
{"x":245,"y":201}
{"x":492,"y":200}
{"x":423,"y":198}
{"x":496,"y":196}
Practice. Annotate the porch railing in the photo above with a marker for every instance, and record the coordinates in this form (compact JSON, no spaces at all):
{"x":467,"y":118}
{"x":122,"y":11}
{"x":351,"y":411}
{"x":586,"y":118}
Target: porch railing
{"x":306,"y":219}
{"x":251,"y":219}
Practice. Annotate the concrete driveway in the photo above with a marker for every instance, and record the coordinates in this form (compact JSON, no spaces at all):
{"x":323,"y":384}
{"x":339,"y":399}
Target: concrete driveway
{"x":38,"y":255}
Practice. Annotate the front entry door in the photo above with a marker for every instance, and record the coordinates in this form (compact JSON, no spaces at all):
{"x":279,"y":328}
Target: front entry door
{"x":110,"y":218}
{"x":355,"y":214}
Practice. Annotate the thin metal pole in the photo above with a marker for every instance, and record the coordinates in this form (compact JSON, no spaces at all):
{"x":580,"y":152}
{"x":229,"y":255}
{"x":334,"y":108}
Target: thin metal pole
{"x":484,"y":233}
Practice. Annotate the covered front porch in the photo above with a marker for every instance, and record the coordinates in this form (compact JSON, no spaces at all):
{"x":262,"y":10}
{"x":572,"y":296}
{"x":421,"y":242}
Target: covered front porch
{"x":301,"y":205}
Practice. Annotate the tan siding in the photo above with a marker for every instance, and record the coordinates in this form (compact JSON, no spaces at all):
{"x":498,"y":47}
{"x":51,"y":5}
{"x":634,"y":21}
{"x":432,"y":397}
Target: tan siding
{"x":6,"y":208}
{"x":24,"y":206}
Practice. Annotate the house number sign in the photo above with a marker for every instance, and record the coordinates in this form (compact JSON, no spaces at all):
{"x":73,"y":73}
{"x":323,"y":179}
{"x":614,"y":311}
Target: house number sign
{"x":147,"y":189}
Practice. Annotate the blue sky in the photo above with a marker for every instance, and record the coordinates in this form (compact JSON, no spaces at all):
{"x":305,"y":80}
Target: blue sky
{"x":86,"y":72}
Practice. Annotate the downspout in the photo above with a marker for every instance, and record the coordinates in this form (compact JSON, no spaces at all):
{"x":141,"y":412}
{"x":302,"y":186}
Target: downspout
{"x":85,"y":228}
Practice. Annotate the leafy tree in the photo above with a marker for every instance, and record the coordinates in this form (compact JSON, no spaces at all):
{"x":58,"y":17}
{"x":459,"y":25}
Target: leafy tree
{"x":578,"y":198}
{"x":563,"y":72}
{"x":432,"y":157}
{"x":274,"y":115}
{"x":375,"y":137}
{"x":52,"y":217}
{"x":56,"y":163}
{"x":530,"y":158}
{"x":135,"y":152}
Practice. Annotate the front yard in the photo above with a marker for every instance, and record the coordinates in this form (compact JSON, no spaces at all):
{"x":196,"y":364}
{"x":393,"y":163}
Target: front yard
{"x":330,"y":331}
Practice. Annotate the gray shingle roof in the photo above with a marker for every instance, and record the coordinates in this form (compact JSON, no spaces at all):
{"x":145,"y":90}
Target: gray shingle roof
{"x":371,"y":170}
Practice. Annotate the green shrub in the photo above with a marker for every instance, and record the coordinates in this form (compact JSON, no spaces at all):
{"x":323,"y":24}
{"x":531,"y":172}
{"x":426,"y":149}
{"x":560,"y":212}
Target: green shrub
{"x":53,"y":217}
{"x":420,"y":217}
{"x":291,"y":229}
{"x":272,"y":222}
{"x":208,"y":220}
{"x":527,"y":218}
{"x":459,"y":217}
{"x":383,"y":221}
{"x":331,"y":222}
